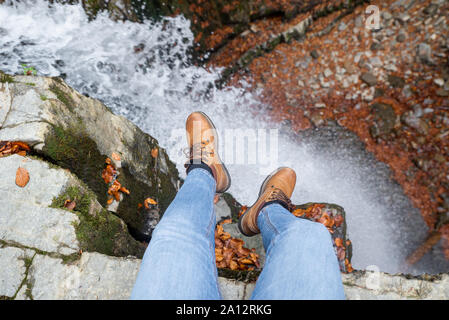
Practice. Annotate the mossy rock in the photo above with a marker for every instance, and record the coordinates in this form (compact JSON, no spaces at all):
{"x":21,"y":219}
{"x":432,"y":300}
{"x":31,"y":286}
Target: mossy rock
{"x":98,"y":230}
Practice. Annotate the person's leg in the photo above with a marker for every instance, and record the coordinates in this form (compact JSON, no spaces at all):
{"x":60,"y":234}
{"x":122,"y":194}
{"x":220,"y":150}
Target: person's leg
{"x":301,"y":262}
{"x":179,"y":262}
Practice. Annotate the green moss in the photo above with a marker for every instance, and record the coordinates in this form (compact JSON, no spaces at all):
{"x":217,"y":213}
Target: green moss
{"x":244,"y":276}
{"x":98,"y":230}
{"x":234,"y":205}
{"x":30,"y":84}
{"x":73,"y":149}
{"x":43,"y":98}
{"x":5,"y":78}
{"x":26,"y":282}
{"x":63,"y":97}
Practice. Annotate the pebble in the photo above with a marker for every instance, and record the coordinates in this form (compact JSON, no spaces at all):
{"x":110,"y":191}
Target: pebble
{"x":328,"y":72}
{"x":439,"y":82}
{"x":315,"y":54}
{"x":401,"y":37}
{"x":424,"y":52}
{"x":369,"y":78}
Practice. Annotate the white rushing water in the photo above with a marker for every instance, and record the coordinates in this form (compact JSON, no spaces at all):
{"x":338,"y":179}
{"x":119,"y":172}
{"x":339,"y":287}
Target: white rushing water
{"x":142,"y":71}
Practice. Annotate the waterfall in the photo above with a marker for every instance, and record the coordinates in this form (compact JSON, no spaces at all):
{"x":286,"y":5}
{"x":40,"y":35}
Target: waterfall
{"x":143,"y":72}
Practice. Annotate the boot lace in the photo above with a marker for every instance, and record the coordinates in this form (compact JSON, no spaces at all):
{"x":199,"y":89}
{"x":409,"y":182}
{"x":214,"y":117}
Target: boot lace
{"x":278,"y":195}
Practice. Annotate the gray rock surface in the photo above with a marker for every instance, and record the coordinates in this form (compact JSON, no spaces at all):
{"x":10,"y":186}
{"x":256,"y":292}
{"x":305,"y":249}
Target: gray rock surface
{"x":12,"y":270}
{"x":78,"y":133}
{"x":25,"y":216}
{"x":94,"y":276}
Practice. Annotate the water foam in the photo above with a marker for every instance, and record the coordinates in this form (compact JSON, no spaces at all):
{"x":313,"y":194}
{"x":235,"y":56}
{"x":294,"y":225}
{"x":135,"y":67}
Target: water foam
{"x":142,"y":72}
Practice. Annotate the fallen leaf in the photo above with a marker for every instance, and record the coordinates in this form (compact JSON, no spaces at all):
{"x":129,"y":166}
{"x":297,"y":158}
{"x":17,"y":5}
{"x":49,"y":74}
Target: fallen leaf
{"x":233,"y":265}
{"x":116,"y":156}
{"x":124,"y":190}
{"x":22,"y":177}
{"x":242,"y":211}
{"x":110,"y":200}
{"x":148,"y":202}
{"x":339,"y":242}
{"x":69,"y":205}
{"x":226,"y":221}
{"x":338,"y":220}
{"x":154,"y":152}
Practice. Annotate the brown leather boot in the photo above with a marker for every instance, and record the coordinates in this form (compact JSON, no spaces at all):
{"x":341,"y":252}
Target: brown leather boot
{"x":278,"y":186}
{"x":202,"y":139}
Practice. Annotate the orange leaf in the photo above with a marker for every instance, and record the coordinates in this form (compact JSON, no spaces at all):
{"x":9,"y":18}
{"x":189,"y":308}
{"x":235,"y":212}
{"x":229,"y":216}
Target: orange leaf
{"x":242,"y":210}
{"x":233,"y":265}
{"x":148,"y":202}
{"x":22,"y":177}
{"x":69,"y":205}
{"x":339,"y":242}
{"x":22,"y":145}
{"x":124,"y":190}
{"x":116,"y":156}
{"x":154,"y":152}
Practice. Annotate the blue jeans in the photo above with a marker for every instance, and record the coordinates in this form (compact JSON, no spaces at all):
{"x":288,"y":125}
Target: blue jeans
{"x":179,"y":262}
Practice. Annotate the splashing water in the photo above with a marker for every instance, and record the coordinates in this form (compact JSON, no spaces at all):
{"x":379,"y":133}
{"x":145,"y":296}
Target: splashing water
{"x":142,"y":71}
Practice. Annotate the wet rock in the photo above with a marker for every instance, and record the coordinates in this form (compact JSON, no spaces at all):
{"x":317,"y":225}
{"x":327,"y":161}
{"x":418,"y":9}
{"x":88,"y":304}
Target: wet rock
{"x":396,"y":82}
{"x":317,"y":120}
{"x":431,"y":9}
{"x":439,"y":82}
{"x":387,"y":15}
{"x":315,"y":54}
{"x":401,"y":37}
{"x":349,"y":66}
{"x":369,"y":78}
{"x":327,"y":72}
{"x":411,"y":120}
{"x":442,"y":93}
{"x":424,"y":53}
{"x":384,"y":119}
{"x":376,"y":46}
{"x":342,"y":26}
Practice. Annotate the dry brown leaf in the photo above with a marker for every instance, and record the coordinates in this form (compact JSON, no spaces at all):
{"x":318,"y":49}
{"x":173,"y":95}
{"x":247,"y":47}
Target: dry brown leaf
{"x":116,"y":156}
{"x":155,"y":152}
{"x":233,"y":265}
{"x":148,"y":202}
{"x":226,"y":221}
{"x":69,"y":205}
{"x":339,"y":242}
{"x":22,"y":177}
{"x":242,"y":211}
{"x":124,"y":190}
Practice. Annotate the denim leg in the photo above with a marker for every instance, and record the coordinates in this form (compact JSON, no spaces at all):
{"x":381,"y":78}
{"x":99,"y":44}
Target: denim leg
{"x":301,"y":263}
{"x":179,"y":262}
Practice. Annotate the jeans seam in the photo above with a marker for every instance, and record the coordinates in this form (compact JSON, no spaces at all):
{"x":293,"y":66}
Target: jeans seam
{"x":212,"y":249}
{"x":274,"y":229}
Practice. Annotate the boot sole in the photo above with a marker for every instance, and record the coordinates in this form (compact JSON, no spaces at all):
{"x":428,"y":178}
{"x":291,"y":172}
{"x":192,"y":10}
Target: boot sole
{"x":222,"y":163}
{"x":262,"y":188}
